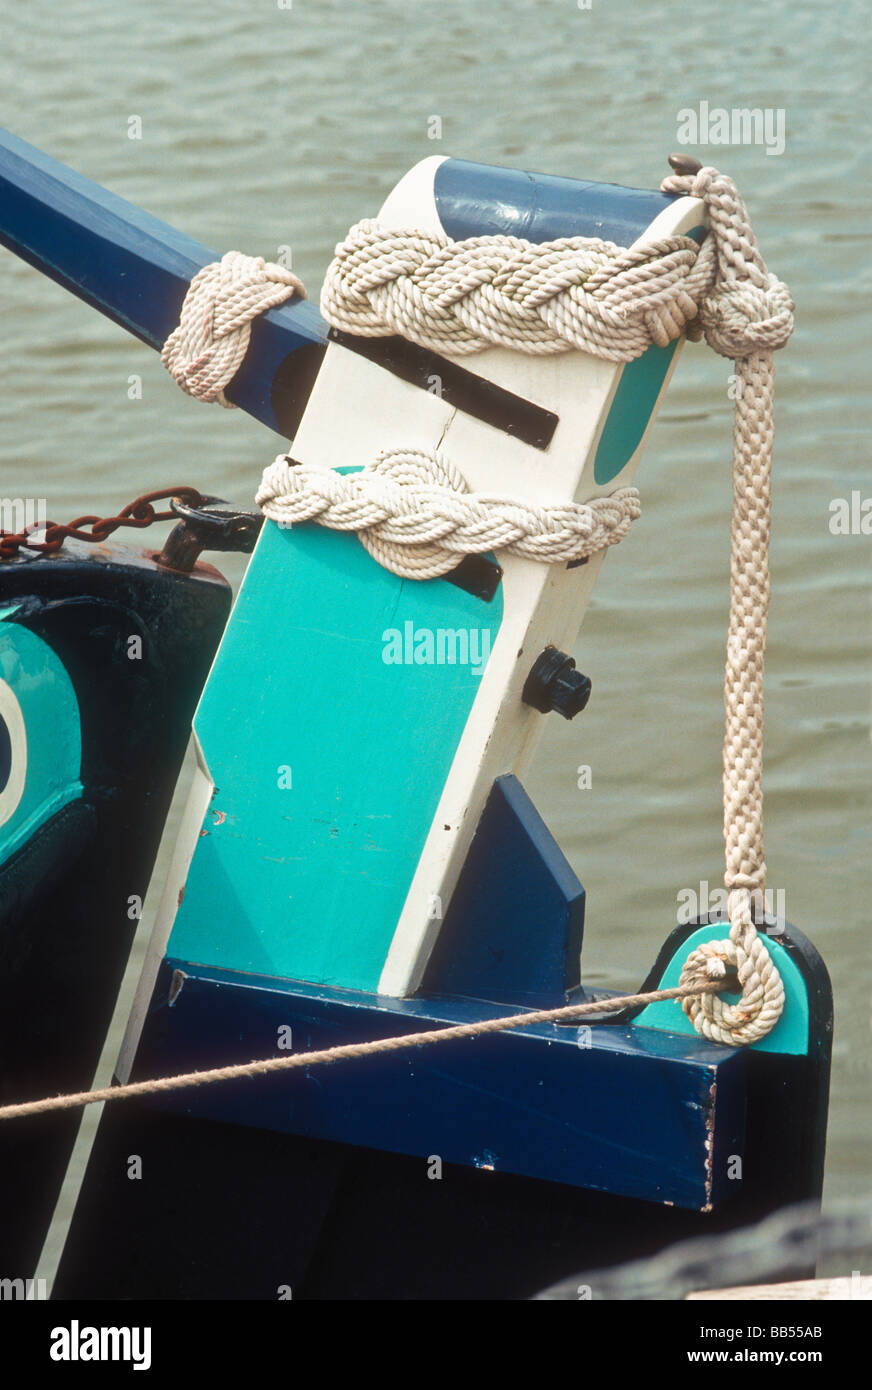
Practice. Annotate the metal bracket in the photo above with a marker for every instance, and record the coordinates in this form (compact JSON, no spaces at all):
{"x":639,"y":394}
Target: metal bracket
{"x":214,"y":525}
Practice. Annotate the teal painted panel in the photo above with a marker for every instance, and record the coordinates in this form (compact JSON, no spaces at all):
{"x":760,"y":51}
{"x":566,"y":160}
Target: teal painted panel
{"x":790,"y":1034}
{"x":50,"y":750}
{"x":307,"y":882}
{"x":634,"y":400}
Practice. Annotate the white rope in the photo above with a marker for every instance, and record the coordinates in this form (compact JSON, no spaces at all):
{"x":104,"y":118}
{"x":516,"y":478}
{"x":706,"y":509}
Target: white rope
{"x":414,"y":514}
{"x":746,"y":314}
{"x":343,"y":1053}
{"x":204,"y":353}
{"x":460,"y":297}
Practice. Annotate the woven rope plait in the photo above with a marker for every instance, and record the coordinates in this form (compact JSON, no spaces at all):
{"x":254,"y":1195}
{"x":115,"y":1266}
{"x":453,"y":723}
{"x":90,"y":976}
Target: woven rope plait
{"x":460,"y":297}
{"x":746,"y":314}
{"x":204,"y":353}
{"x":414,"y":514}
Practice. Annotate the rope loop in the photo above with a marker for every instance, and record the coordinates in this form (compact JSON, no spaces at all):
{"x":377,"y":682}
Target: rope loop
{"x":743,"y":954}
{"x":741,"y":318}
{"x":743,"y":309}
{"x":204,"y":353}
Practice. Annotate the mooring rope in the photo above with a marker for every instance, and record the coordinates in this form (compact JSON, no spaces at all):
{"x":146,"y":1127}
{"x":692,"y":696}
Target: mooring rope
{"x":348,"y":1051}
{"x":747,"y":314}
{"x":412,"y":511}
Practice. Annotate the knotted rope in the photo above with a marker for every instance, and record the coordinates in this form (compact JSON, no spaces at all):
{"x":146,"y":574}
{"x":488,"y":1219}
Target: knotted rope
{"x":414,"y":514}
{"x":204,"y":353}
{"x":747,"y":314}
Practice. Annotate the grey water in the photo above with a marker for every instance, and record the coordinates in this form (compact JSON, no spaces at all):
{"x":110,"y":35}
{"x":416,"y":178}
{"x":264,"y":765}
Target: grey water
{"x":268,"y":125}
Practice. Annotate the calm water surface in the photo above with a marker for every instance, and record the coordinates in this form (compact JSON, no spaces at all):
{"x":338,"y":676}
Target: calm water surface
{"x":263,"y":127}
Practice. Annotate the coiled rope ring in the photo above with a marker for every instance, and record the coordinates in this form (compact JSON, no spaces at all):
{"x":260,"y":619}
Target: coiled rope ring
{"x":743,"y":954}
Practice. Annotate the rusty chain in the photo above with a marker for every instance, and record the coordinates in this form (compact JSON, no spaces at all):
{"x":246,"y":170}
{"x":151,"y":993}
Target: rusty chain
{"x":139,"y":513}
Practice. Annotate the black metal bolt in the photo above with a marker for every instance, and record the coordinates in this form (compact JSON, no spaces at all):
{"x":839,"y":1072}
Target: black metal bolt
{"x":555,"y":684}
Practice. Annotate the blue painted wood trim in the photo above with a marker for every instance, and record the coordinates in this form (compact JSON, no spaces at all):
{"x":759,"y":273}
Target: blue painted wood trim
{"x":131,"y":266}
{"x":513,"y":929}
{"x":484,"y":200}
{"x":633,"y":1112}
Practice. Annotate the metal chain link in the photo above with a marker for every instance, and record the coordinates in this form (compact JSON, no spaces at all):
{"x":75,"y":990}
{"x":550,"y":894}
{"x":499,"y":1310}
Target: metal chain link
{"x":139,"y":513}
{"x":790,"y":1239}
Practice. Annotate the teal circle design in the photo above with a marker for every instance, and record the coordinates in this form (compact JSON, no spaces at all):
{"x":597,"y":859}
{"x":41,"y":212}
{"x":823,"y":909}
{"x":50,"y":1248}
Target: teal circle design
{"x":790,"y":1034}
{"x":45,"y":753}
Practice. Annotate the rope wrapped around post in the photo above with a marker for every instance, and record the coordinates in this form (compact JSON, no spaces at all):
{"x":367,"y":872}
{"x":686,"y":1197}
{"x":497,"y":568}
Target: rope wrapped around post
{"x":414,"y":514}
{"x":204,"y":353}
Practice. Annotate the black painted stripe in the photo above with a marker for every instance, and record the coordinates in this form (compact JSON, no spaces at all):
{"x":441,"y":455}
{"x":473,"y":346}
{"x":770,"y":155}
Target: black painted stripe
{"x":462,"y":389}
{"x":292,"y":386}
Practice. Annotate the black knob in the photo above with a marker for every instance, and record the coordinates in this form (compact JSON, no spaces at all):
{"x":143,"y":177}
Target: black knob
{"x":555,"y":684}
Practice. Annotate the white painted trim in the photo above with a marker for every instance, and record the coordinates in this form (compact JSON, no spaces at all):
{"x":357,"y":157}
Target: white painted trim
{"x":413,"y":200}
{"x":186,"y":839}
{"x":542,"y":604}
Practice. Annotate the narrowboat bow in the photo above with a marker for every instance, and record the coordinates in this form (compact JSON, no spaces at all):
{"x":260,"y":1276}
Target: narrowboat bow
{"x":358,"y":860}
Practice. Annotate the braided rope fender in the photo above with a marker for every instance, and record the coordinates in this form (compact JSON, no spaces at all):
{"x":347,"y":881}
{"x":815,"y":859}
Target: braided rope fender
{"x":413,"y":513}
{"x":499,"y":291}
{"x":460,"y":297}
